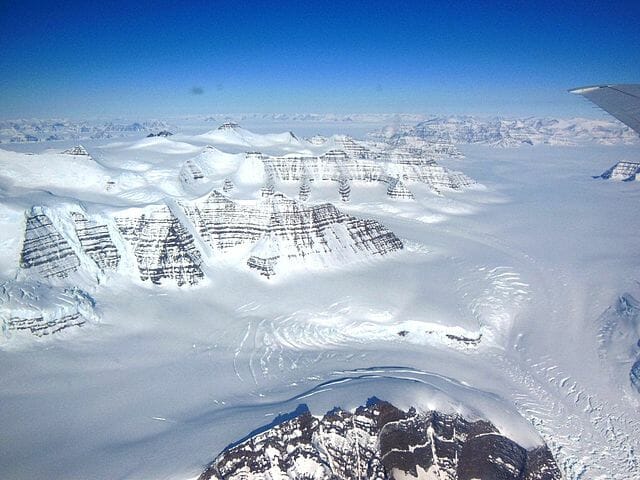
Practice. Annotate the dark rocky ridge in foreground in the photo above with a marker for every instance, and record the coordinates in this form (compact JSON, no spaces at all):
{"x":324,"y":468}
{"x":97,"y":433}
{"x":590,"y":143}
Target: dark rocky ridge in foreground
{"x":382,"y":442}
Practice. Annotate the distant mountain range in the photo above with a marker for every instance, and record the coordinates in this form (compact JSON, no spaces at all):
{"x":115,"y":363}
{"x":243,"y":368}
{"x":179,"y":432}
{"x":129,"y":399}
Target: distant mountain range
{"x":22,"y":130}
{"x":407,"y":129}
{"x":506,"y":133}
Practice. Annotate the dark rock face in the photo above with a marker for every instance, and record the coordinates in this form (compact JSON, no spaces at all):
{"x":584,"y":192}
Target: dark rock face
{"x":281,"y":228}
{"x":357,"y":163}
{"x":625,"y":171}
{"x":354,"y":149}
{"x":161,"y":133}
{"x":228,"y":126}
{"x":273,"y":229}
{"x":191,"y":173}
{"x":380,"y":441}
{"x":305,"y":190}
{"x":397,"y":189}
{"x":344,"y":189}
{"x":223,"y":223}
{"x":77,"y":150}
{"x":163,"y":247}
{"x":228,"y":185}
{"x":45,"y":249}
{"x":40,"y":327}
{"x":96,"y":242}
{"x":43,"y":310}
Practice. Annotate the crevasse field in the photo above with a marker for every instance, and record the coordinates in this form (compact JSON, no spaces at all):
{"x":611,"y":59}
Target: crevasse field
{"x":505,"y":304}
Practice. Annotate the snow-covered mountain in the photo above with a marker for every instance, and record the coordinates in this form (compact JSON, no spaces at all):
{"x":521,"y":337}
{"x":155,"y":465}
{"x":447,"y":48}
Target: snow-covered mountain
{"x":166,"y":243}
{"x":440,"y":132}
{"x":624,"y":171}
{"x":36,"y":130}
{"x":380,"y":441}
{"x":507,"y":133}
{"x":162,"y":296}
{"x":305,"y":163}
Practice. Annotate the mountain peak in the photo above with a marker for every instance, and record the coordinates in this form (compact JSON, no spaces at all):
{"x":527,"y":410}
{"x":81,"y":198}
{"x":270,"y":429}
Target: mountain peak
{"x":77,"y":150}
{"x":229,"y":126}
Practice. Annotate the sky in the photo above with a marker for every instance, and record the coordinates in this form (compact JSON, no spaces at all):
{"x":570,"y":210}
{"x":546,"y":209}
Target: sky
{"x":149,"y":59}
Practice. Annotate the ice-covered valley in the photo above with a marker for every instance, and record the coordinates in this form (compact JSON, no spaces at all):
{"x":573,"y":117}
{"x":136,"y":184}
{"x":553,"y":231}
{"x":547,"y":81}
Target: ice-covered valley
{"x":163,"y":297}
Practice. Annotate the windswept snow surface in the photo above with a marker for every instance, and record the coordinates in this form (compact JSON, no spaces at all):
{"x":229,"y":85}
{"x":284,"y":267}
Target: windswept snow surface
{"x":493,"y":309}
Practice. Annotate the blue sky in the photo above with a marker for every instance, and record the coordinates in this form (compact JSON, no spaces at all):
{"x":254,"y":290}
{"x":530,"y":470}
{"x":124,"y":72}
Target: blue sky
{"x":148,"y":59}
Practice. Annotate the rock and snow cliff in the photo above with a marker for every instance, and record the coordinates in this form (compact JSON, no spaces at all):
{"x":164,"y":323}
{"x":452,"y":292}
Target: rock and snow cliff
{"x":280,"y":230}
{"x":277,"y":233}
{"x":625,"y":171}
{"x":380,"y":441}
{"x":42,"y":310}
{"x":163,"y":247}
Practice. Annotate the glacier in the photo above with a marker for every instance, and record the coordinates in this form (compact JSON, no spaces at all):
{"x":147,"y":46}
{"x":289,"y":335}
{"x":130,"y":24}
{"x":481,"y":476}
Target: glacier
{"x":164,"y":297}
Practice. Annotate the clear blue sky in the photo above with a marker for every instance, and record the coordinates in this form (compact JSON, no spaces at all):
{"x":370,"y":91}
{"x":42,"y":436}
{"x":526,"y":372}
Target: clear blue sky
{"x":148,"y":59}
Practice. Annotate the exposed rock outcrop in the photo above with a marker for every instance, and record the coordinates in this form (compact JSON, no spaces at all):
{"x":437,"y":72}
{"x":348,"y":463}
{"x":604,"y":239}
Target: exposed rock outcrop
{"x":398,"y":190}
{"x":163,"y":247}
{"x":45,"y":249}
{"x":279,"y":228}
{"x":358,"y":163}
{"x":305,"y":189}
{"x":159,"y":242}
{"x":344,"y":189}
{"x":191,"y":173}
{"x":42,"y":310}
{"x":625,"y":171}
{"x":229,"y":126}
{"x":380,"y":441}
{"x":77,"y":150}
{"x":96,"y":242}
{"x":228,"y":186}
{"x":161,"y":133}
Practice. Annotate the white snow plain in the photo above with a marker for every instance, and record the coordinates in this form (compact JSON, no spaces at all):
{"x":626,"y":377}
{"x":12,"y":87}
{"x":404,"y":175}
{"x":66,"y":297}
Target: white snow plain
{"x":527,"y":262}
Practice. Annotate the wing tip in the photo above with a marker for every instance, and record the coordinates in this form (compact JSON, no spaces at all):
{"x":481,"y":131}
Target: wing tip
{"x":587,"y":89}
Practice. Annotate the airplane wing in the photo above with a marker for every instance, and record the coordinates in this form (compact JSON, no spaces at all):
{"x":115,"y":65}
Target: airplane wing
{"x":621,"y":100}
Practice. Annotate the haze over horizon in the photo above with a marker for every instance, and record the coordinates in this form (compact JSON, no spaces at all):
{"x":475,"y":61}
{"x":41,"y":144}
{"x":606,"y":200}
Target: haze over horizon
{"x":80,"y":59}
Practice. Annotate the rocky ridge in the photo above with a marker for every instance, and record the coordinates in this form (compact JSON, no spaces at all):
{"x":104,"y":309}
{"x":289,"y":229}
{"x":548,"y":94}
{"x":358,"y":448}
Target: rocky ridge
{"x":282,"y":229}
{"x":45,"y":249}
{"x":164,"y":249}
{"x":380,"y":441}
{"x":624,"y":171}
{"x":77,"y":150}
{"x":158,"y":240}
{"x":358,"y":163}
{"x":43,"y":310}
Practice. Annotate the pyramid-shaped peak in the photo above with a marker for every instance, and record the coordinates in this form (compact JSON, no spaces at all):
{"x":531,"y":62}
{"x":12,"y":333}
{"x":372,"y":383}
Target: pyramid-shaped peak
{"x":317,"y":140}
{"x":229,"y":126}
{"x":77,"y":150}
